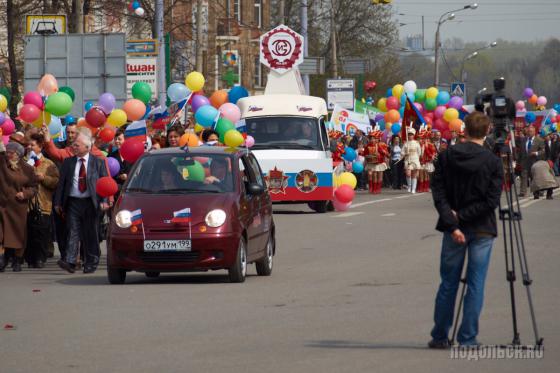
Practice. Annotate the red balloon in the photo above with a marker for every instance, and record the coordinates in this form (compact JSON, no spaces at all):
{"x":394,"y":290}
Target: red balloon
{"x":392,"y":103}
{"x":95,"y":117}
{"x":106,"y":187}
{"x":446,"y":134}
{"x":344,"y":193}
{"x":34,"y":98}
{"x":29,"y":113}
{"x":107,"y":134}
{"x":131,"y":150}
{"x":440,"y":125}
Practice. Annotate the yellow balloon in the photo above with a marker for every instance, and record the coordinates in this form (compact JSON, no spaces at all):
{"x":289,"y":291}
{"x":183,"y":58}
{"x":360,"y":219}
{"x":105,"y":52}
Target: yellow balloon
{"x":44,"y":119}
{"x":198,"y":128}
{"x":348,"y":178}
{"x":398,"y":90}
{"x":388,"y":126}
{"x":194,"y":81}
{"x":3,"y":103}
{"x":450,"y":114}
{"x":432,"y":92}
{"x":382,"y":104}
{"x":117,"y":118}
{"x":335,"y":181}
{"x":233,"y":138}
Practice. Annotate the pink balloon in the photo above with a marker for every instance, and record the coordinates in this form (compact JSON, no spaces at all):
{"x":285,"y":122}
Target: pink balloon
{"x":419,"y":107}
{"x":34,"y":98}
{"x":392,"y":103}
{"x":439,"y":111}
{"x":249,"y":141}
{"x":520,"y":105}
{"x":8,"y":127}
{"x":230,"y":111}
{"x":344,"y":193}
{"x":339,"y":206}
{"x":541,"y":101}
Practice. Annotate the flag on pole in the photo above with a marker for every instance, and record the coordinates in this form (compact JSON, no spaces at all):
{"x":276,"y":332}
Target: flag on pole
{"x":182,"y":216}
{"x":136,"y":130}
{"x":136,"y":217}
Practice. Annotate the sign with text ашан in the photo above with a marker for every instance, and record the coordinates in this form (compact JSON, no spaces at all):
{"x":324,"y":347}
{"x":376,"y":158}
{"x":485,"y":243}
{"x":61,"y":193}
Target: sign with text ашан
{"x":141,"y":69}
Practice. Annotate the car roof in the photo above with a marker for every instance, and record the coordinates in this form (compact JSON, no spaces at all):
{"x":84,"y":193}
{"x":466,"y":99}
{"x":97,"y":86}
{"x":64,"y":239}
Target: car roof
{"x":200,"y":150}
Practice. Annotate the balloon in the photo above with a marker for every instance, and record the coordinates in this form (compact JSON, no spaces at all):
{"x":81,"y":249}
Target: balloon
{"x":439,"y":111}
{"x":218,"y":98}
{"x":379,"y":117}
{"x":47,"y":85}
{"x":349,"y":154}
{"x":392,"y":116}
{"x":134,"y":109}
{"x":392,"y":103}
{"x":117,"y":118}
{"x":107,"y":102}
{"x":520,"y":105}
{"x":114,"y":166}
{"x":344,"y":194}
{"x":456,"y":102}
{"x":236,"y":93}
{"x":206,"y":115}
{"x":528,"y":92}
{"x":222,"y":127}
{"x":139,"y":12}
{"x":55,"y":126}
{"x":340,"y":207}
{"x":194,"y":81}
{"x":3,"y":103}
{"x":107,"y":134}
{"x":396,"y":128}
{"x":142,"y":91}
{"x":249,"y":141}
{"x":34,"y":98}
{"x":189,"y":139}
{"x":533,"y":99}
{"x":541,"y":101}
{"x":397,"y":91}
{"x":382,"y":104}
{"x":530,"y":117}
{"x":430,"y":103}
{"x":198,"y":101}
{"x":233,"y":138}
{"x":8,"y":127}
{"x":2,"y":118}
{"x":450,"y":114}
{"x":432,"y":92}
{"x":388,"y":126}
{"x":106,"y":187}
{"x":59,"y":104}
{"x":418,"y":107}
{"x":29,"y":113}
{"x":357,"y":167}
{"x":410,"y":87}
{"x":230,"y":111}
{"x":177,"y":92}
{"x":440,"y":125}
{"x":69,"y":91}
{"x":95,"y":117}
{"x":88,"y":105}
{"x":131,"y":150}
{"x":420,"y":95}
{"x":442,"y":98}
{"x":348,"y":178}
{"x":456,"y":125}
{"x":44,"y":118}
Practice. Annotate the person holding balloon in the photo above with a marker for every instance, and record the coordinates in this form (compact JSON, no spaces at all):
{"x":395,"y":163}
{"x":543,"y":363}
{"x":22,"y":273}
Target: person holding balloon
{"x":59,"y":155}
{"x":121,"y":167}
{"x":375,"y":154}
{"x":411,"y":155}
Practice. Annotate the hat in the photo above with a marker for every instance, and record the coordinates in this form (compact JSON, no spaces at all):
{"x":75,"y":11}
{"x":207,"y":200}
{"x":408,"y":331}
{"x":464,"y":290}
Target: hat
{"x":411,"y":130}
{"x":16,"y":148}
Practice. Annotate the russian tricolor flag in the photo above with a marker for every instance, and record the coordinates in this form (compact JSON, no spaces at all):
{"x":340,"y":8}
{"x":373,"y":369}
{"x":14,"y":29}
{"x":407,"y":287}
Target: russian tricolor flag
{"x":136,"y":217}
{"x":136,"y":130}
{"x":182,"y":216}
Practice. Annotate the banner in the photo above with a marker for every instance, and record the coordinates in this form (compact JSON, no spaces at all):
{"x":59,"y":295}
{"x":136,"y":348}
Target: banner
{"x":141,"y":69}
{"x":348,"y":122}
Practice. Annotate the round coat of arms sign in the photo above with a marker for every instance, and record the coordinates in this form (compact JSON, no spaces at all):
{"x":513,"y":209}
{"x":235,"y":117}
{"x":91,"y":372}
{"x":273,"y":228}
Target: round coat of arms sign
{"x":281,"y":49}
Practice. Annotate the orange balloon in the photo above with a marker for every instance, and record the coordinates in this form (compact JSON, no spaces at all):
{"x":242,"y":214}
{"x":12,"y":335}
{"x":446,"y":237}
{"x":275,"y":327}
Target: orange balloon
{"x":456,"y":125}
{"x":533,"y":99}
{"x":219,"y":98}
{"x":47,"y":85}
{"x":82,"y":122}
{"x":134,"y":109}
{"x":392,"y":116}
{"x":189,"y":139}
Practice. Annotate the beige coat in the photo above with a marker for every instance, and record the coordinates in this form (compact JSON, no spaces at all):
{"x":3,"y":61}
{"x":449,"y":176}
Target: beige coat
{"x":543,"y":177}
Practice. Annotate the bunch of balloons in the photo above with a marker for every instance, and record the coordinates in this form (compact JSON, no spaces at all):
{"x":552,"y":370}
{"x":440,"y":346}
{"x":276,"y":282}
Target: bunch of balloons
{"x":136,"y":7}
{"x":344,"y":184}
{"x":538,"y":101}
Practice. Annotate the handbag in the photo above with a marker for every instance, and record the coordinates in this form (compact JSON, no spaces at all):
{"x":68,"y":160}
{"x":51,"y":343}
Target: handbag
{"x":34,"y":213}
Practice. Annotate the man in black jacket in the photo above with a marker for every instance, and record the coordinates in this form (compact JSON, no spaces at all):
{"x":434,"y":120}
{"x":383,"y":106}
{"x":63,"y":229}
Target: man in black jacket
{"x":466,"y":189}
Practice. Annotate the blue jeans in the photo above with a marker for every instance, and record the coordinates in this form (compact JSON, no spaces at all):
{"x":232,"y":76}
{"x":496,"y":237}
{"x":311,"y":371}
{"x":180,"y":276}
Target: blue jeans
{"x":452,"y":258}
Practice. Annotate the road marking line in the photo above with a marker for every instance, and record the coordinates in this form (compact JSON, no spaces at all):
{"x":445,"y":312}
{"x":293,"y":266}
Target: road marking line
{"x":348,"y":214}
{"x":370,"y":202}
{"x":389,"y":214}
{"x":533,"y":201}
{"x":402,"y":197}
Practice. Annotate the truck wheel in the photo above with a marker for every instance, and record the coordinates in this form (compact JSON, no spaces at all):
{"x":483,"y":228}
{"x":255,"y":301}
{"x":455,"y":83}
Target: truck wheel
{"x":238,"y":272}
{"x":319,"y":206}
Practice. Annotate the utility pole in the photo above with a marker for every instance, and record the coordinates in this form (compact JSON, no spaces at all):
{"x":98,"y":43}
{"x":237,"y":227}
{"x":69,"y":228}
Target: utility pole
{"x":333,"y":44}
{"x":161,"y":93}
{"x":423,"y":46}
{"x":436,"y":59}
{"x":79,"y":17}
{"x":303,"y":20}
{"x":199,"y":35}
{"x":282,"y":11}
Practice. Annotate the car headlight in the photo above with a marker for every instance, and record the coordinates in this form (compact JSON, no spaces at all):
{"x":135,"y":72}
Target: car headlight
{"x":123,"y":219}
{"x":215,"y":218}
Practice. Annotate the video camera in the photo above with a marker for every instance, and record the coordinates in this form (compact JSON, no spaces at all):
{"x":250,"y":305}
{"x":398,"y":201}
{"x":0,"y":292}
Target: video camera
{"x":499,"y":107}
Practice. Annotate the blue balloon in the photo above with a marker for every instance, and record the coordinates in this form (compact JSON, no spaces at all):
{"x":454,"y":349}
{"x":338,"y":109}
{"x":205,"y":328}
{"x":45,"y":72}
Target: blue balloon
{"x":389,"y":92}
{"x":88,"y":105}
{"x":357,"y":167}
{"x":396,"y":128}
{"x":55,"y":126}
{"x":557,"y":108}
{"x":237,"y":93}
{"x":206,"y":115}
{"x":530,"y":117}
{"x":443,"y":97}
{"x":177,"y":92}
{"x":349,"y":154}
{"x":135,"y":5}
{"x":70,"y":119}
{"x":401,"y":111}
{"x":2,"y":118}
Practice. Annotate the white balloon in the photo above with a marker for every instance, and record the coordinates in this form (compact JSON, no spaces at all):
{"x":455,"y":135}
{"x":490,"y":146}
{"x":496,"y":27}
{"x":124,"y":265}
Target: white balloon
{"x":139,"y":12}
{"x":410,"y":87}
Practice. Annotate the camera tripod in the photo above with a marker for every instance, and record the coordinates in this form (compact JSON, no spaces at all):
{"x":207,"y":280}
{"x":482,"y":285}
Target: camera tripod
{"x":510,"y":215}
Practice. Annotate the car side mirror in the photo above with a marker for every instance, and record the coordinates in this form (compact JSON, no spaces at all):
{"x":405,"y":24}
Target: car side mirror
{"x":255,"y":189}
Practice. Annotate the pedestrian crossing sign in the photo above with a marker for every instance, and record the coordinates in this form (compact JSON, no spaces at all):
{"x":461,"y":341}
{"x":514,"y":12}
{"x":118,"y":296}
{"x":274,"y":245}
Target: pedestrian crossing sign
{"x":458,"y":89}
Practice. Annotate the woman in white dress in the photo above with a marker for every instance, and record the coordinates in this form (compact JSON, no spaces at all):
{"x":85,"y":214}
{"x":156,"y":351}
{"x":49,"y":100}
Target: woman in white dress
{"x":411,"y":153}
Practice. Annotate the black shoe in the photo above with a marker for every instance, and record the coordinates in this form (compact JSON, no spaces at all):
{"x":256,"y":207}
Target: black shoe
{"x":536,"y":196}
{"x":2,"y":263}
{"x":439,"y":345}
{"x":66,"y":266}
{"x":17,"y":266}
{"x":89,"y":269}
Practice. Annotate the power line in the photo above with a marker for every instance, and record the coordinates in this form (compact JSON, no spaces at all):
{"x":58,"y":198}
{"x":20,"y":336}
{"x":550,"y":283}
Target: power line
{"x":524,"y":3}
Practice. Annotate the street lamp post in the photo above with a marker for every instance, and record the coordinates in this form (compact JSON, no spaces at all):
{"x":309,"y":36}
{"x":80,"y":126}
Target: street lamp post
{"x":470,"y":56}
{"x":447,"y":16}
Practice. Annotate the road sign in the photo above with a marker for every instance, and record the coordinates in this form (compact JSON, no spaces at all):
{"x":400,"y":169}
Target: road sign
{"x":312,"y":66}
{"x":340,"y":92}
{"x":355,"y":66}
{"x":144,"y":47}
{"x":458,"y":89}
{"x":45,"y":24}
{"x":281,"y":49}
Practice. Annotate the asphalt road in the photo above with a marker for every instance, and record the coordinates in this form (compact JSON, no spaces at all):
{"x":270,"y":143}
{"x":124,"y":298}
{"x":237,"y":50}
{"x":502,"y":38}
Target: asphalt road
{"x":350,"y":292}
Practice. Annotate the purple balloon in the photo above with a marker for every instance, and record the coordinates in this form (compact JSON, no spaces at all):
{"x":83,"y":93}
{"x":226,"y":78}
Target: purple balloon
{"x":456,"y":102}
{"x":379,"y":117}
{"x":2,"y":118}
{"x":114,"y":166}
{"x":198,"y":101}
{"x":107,"y":102}
{"x":528,"y":92}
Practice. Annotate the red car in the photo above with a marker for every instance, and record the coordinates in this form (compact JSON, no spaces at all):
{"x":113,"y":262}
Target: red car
{"x":192,"y":209}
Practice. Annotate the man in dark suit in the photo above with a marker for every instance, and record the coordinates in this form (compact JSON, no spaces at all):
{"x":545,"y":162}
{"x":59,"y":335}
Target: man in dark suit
{"x":531,"y":149}
{"x":79,"y":205}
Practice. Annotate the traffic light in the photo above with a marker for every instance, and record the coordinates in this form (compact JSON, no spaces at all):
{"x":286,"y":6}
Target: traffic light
{"x":381,"y":2}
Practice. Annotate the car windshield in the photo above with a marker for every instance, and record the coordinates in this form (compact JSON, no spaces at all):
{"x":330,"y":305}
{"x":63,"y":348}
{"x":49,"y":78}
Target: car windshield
{"x":182,"y":174}
{"x":284,"y":133}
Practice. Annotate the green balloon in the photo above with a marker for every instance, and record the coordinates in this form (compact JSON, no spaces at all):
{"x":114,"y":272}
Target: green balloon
{"x":223,"y":126}
{"x":142,"y":91}
{"x":69,"y":91}
{"x":5,"y":91}
{"x":59,"y":104}
{"x":431,"y":103}
{"x":420,"y":95}
{"x":196,"y":172}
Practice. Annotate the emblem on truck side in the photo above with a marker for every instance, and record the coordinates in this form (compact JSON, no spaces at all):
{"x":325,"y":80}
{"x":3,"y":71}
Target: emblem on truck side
{"x":276,"y":181}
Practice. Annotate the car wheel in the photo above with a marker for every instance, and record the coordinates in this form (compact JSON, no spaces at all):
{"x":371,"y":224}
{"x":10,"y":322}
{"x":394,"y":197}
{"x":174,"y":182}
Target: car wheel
{"x":116,"y":276}
{"x":238,"y":272}
{"x":264,"y":266}
{"x":152,"y":274}
{"x":319,"y":206}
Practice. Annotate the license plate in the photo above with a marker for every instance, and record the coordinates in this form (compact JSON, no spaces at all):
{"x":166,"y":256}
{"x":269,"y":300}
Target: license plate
{"x":167,"y":245}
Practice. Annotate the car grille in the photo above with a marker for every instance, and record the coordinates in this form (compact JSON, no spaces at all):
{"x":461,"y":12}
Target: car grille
{"x":185,"y":257}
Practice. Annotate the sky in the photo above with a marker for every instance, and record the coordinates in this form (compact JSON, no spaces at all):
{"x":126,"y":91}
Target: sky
{"x":513,"y":20}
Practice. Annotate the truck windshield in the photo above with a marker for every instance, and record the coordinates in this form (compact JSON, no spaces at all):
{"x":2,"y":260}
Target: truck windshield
{"x":284,"y":133}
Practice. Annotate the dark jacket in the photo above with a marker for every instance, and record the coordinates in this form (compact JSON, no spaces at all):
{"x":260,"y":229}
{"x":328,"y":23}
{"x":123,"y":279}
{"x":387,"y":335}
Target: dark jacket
{"x":468,"y":180}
